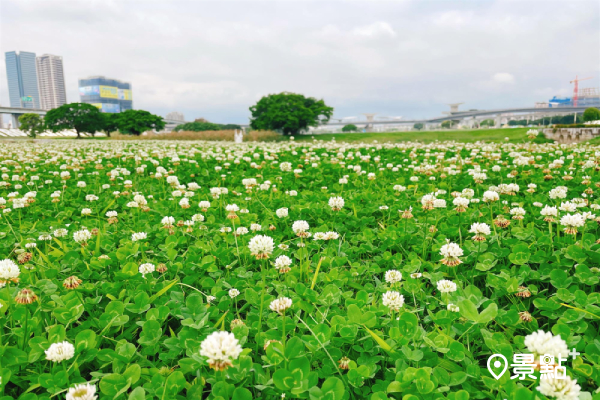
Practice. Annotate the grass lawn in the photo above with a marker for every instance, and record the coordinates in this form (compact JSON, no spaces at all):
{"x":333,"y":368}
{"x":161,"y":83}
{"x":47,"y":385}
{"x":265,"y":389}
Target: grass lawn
{"x":514,"y":134}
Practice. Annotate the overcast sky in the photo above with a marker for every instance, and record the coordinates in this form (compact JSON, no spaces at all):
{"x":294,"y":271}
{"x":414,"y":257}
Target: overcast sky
{"x":395,"y":58}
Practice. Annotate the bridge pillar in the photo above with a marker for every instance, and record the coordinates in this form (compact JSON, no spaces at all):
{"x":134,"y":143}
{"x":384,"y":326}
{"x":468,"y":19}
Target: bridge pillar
{"x":15,"y":121}
{"x":498,"y":121}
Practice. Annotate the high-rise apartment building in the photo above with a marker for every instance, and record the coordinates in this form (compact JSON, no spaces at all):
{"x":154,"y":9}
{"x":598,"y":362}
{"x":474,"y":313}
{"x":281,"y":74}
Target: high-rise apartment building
{"x":109,"y":95}
{"x":51,"y":81}
{"x":22,"y":79}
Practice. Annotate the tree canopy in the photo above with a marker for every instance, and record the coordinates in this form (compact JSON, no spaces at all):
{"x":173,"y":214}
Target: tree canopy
{"x":418,"y":126}
{"x":136,"y":122}
{"x":82,"y":117}
{"x":289,"y":113}
{"x":111,"y":122}
{"x":591,"y":114}
{"x":32,"y":124}
{"x":350,"y":128}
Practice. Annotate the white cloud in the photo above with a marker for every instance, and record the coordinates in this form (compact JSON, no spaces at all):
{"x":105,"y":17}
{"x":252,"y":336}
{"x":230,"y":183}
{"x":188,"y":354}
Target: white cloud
{"x":503,"y":77}
{"x":376,"y":29}
{"x":210,"y":59}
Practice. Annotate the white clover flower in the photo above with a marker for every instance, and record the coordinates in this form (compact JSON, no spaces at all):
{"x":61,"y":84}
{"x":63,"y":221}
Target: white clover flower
{"x":282,"y":263}
{"x":241,"y":231}
{"x":453,"y":308}
{"x":82,"y":236}
{"x":282,"y":212}
{"x":60,"y":351}
{"x":561,"y":389}
{"x":138,"y":236}
{"x":490,"y":196}
{"x":540,"y":343}
{"x":393,"y":300}
{"x":568,"y":206}
{"x":232,"y":208}
{"x":198,"y":218}
{"x":111,"y":214}
{"x":451,"y":251}
{"x":167,"y":221}
{"x":9,"y":271}
{"x":517,"y":212}
{"x":233,"y":293}
{"x":558,"y":193}
{"x":572,"y":222}
{"x":399,"y":188}
{"x":255,"y":227}
{"x":60,"y":232}
{"x":446,"y":286}
{"x":331,"y":235}
{"x":481,"y":230}
{"x":146,"y":268}
{"x":220,"y":348}
{"x":261,"y":246}
{"x":336,"y":203}
{"x":280,"y":305}
{"x":461,"y":203}
{"x":82,"y":391}
{"x":393,"y":276}
{"x":86,"y":211}
{"x":548,"y":211}
{"x":205,"y":205}
{"x":300,"y":227}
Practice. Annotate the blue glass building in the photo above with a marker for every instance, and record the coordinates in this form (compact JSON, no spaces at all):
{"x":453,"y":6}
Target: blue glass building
{"x":109,"y":95}
{"x":22,"y":79}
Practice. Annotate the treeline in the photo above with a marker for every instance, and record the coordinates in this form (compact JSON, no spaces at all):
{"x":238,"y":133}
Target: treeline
{"x":203,"y":125}
{"x":86,"y":118}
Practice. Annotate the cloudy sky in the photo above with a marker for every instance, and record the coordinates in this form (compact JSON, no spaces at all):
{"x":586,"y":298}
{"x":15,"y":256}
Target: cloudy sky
{"x":214,"y":59}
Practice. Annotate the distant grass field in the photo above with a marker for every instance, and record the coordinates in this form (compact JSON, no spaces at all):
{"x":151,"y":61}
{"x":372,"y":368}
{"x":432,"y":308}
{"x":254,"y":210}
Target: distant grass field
{"x":495,"y":135}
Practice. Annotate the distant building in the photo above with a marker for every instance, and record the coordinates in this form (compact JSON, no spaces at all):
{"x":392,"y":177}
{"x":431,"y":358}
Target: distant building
{"x":176,"y":116}
{"x":51,"y":81}
{"x":109,"y":95}
{"x":22,"y":79}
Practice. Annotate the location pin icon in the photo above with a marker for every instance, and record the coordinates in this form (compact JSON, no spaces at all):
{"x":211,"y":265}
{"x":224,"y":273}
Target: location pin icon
{"x":497,"y":364}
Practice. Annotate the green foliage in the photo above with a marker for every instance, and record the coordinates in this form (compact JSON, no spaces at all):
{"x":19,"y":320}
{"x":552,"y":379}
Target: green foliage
{"x":197,"y":126}
{"x":136,"y":122}
{"x":82,"y":117}
{"x":591,"y":114}
{"x":418,"y":126}
{"x":111,"y":122}
{"x":289,"y":113}
{"x":32,"y":124}
{"x":487,"y":122}
{"x":446,"y":124}
{"x":139,"y":335}
{"x":350,"y":128}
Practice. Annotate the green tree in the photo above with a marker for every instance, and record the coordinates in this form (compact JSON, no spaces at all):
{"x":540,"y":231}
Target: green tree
{"x":349,"y":128}
{"x":199,"y":126}
{"x":82,"y":117}
{"x":446,"y":124}
{"x":32,"y":124}
{"x":487,"y":122}
{"x":591,"y":114}
{"x":289,"y":113}
{"x":418,"y":126}
{"x":111,"y":122}
{"x":136,"y":122}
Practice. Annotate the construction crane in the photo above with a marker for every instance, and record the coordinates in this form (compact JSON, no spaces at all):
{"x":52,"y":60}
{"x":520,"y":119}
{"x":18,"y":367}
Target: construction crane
{"x":576,"y":89}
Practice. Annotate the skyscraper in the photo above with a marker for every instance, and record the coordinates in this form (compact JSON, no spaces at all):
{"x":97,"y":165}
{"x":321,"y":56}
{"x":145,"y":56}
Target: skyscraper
{"x":22,"y":79}
{"x":51,"y":81}
{"x":109,"y":95}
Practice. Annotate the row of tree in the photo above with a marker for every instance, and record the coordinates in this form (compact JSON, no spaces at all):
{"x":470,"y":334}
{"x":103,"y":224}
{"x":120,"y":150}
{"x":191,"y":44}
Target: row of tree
{"x":86,"y":118}
{"x":202,"y":125}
